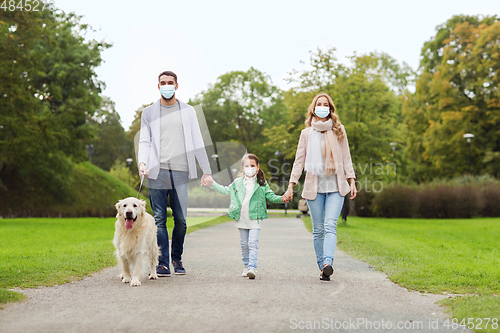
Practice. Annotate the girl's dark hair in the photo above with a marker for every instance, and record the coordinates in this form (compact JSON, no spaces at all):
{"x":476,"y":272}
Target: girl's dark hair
{"x":261,"y":178}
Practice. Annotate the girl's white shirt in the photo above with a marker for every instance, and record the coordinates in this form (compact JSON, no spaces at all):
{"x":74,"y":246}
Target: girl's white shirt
{"x":244,"y":222}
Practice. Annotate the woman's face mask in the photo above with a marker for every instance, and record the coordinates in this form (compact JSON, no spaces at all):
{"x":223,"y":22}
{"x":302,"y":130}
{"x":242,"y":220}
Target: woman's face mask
{"x":322,"y":111}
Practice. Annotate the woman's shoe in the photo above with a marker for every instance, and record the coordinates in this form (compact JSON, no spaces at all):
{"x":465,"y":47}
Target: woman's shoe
{"x":327,"y":270}
{"x":324,"y":277}
{"x":245,"y":272}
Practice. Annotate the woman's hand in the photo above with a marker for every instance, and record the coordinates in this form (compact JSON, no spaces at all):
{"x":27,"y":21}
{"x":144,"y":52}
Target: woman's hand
{"x":289,"y":193}
{"x":354,"y":190}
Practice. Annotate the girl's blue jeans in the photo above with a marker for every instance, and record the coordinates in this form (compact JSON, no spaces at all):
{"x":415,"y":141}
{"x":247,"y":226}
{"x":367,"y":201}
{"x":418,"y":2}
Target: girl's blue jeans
{"x":249,"y":240}
{"x":325,"y":211}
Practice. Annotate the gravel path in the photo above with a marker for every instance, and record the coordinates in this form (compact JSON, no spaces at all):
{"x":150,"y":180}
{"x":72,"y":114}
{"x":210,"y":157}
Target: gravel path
{"x":287,"y":294}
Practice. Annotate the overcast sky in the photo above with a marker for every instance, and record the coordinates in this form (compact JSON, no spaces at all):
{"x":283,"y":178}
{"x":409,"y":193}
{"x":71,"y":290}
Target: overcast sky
{"x":201,"y":40}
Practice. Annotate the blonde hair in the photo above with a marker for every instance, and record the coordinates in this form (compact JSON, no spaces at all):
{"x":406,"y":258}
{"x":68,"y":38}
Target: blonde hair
{"x":337,"y":126}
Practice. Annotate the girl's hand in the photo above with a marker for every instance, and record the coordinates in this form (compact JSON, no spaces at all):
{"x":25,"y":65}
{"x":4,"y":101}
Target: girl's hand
{"x":284,"y":199}
{"x":207,"y":180}
{"x":354,"y":190}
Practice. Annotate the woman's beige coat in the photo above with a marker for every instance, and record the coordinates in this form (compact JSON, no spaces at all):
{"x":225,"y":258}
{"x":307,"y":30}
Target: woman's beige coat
{"x":342,"y":160}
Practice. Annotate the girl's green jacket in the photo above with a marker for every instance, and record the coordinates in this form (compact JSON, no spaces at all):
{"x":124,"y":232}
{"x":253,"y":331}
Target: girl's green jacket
{"x":236,"y":191}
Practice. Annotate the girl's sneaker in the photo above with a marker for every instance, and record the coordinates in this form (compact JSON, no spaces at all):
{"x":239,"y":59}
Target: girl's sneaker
{"x":245,"y":272}
{"x":251,"y":273}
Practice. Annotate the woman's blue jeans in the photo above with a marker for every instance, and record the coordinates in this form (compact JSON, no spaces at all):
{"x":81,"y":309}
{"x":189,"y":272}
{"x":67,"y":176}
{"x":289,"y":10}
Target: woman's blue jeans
{"x":173,"y":184}
{"x":325,"y":211}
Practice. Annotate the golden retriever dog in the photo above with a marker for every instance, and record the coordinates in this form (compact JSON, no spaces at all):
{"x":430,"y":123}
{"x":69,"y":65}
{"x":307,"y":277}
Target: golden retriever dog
{"x":135,"y":241}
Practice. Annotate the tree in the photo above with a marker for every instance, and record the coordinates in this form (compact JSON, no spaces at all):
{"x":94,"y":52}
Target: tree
{"x":239,"y":106}
{"x":111,"y":142}
{"x":457,"y":92}
{"x":48,"y":89}
{"x":368,"y":101}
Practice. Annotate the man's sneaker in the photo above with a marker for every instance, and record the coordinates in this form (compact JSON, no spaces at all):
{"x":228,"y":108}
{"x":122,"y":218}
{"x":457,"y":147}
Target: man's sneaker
{"x":251,"y":273}
{"x":178,"y":269}
{"x":245,"y":272}
{"x":163,"y":271}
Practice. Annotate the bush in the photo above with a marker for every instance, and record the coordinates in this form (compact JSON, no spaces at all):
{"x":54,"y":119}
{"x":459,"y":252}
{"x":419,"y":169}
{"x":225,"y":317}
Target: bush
{"x":463,"y":197}
{"x":490,"y":200}
{"x":398,"y":201}
{"x":363,"y":203}
{"x":448,"y":201}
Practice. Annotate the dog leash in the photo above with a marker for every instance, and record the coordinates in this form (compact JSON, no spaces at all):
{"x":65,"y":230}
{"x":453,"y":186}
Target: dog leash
{"x":140,"y":186}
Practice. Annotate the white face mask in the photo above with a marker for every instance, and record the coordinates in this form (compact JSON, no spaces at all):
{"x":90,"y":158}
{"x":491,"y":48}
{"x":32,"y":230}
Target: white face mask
{"x":250,"y":172}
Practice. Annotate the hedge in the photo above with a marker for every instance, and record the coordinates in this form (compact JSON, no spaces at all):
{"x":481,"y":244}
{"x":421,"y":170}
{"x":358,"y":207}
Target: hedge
{"x":463,"y":200}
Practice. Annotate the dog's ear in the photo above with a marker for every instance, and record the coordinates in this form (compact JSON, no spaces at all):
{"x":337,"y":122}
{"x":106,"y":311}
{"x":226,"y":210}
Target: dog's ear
{"x":118,"y":205}
{"x":143,"y":204}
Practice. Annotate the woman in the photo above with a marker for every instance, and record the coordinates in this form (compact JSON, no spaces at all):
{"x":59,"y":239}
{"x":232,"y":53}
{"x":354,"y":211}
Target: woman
{"x":324,"y":152}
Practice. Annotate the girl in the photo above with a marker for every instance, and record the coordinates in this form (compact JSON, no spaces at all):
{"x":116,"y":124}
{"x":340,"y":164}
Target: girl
{"x":248,"y":208}
{"x":324,"y":152}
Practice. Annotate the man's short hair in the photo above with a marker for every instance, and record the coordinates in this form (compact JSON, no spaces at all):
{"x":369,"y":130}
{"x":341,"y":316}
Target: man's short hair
{"x":168,"y":73}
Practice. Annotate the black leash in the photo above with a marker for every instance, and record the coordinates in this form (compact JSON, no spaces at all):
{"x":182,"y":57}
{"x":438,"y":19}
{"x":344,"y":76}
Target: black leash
{"x":140,"y":186}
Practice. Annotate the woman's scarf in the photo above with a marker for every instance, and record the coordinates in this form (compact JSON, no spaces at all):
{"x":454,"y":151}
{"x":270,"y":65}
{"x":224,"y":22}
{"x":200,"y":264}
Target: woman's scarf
{"x":315,"y":151}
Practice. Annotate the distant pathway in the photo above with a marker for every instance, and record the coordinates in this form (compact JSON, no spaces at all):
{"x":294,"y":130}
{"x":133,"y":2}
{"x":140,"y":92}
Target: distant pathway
{"x":286,"y":296}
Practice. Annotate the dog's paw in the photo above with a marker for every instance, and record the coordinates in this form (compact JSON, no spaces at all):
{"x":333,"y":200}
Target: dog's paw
{"x":126,"y":279}
{"x":153,"y":276}
{"x":135,"y":282}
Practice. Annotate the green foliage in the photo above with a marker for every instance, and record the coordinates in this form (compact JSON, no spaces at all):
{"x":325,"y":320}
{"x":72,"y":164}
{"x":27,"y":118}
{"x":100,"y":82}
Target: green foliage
{"x":92,"y":192}
{"x":122,"y":172}
{"x":366,"y":95}
{"x":457,"y":93}
{"x":111,"y":142}
{"x":48,"y":88}
{"x":239,"y":106}
{"x":453,"y":256}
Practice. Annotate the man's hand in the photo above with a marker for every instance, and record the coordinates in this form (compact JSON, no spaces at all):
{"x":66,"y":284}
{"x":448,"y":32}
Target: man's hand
{"x":207,"y":180}
{"x":143,"y":170}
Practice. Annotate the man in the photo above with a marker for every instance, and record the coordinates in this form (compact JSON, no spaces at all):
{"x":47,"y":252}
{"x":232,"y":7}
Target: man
{"x":170,"y":140}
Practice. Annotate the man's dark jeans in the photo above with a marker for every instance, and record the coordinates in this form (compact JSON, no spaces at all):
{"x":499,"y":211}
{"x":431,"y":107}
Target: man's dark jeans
{"x":173,"y":184}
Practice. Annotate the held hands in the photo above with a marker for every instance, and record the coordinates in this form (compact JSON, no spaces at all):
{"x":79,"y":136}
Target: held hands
{"x":288,"y":196}
{"x":207,"y":180}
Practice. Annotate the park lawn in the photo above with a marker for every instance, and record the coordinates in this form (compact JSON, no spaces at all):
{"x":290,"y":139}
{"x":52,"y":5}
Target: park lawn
{"x":459,"y":256}
{"x":49,"y":251}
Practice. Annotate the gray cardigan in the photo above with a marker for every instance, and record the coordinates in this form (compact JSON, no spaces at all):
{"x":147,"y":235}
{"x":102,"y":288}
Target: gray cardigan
{"x":149,"y":142}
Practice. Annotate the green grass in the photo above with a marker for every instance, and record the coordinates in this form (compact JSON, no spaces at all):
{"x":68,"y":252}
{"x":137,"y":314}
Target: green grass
{"x":49,"y":251}
{"x":458,"y":256}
